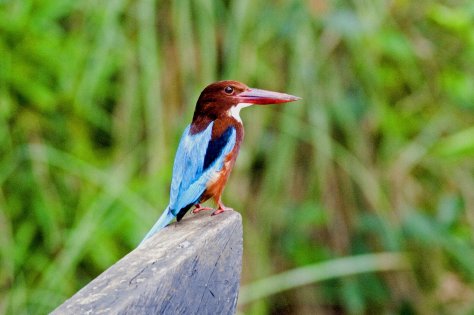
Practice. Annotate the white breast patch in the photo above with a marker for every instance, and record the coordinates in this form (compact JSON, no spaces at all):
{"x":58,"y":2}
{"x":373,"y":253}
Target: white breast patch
{"x":234,"y":111}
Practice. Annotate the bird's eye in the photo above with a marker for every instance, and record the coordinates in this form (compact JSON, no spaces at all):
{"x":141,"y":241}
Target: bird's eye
{"x":228,"y":89}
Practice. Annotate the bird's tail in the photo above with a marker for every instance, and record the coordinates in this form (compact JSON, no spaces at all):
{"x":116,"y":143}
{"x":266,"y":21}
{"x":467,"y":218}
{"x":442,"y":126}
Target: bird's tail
{"x":165,"y":218}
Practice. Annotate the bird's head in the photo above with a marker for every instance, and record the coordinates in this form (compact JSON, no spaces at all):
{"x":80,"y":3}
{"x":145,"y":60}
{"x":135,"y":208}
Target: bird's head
{"x":226,"y":98}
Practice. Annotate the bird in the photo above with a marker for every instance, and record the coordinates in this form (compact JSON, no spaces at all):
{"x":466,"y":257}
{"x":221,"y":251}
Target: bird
{"x":209,"y":147}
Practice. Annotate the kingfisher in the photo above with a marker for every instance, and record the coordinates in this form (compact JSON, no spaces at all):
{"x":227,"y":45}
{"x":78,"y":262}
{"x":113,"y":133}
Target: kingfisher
{"x":209,"y":147}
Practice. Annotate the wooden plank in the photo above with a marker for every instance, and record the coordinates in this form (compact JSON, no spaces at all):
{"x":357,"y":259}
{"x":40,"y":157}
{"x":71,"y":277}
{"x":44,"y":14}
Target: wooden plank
{"x":190,"y":267}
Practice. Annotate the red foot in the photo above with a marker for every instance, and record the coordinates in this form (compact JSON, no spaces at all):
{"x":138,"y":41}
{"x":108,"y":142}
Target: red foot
{"x":199,"y":208}
{"x":221,"y":208}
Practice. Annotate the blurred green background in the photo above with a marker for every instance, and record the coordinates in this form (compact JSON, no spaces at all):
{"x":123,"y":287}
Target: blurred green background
{"x":375,"y":166}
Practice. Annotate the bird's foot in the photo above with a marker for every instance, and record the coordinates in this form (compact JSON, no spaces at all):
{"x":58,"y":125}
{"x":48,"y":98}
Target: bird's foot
{"x":221,"y":208}
{"x":200,"y":208}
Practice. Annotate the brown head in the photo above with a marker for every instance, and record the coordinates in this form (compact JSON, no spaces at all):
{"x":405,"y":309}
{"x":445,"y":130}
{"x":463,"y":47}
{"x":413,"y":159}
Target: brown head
{"x":226,"y":98}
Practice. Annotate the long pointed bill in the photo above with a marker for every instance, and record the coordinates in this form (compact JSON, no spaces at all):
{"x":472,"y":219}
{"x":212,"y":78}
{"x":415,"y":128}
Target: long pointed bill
{"x":257,"y":96}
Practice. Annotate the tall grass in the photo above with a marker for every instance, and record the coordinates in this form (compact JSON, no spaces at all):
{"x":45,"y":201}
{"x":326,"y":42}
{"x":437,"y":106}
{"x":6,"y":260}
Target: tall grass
{"x":378,"y":157}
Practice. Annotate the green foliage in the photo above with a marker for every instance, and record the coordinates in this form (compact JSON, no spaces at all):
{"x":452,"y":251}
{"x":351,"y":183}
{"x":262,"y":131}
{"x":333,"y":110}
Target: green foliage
{"x":377,"y":157}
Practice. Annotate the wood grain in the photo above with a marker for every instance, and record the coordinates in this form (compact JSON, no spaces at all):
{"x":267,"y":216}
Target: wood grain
{"x":190,"y":267}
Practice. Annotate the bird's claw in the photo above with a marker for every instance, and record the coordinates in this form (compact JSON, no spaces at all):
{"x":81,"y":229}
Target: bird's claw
{"x":199,"y":208}
{"x":221,"y":209}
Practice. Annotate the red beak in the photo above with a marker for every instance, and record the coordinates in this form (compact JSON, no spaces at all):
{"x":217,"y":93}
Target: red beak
{"x":257,"y":96}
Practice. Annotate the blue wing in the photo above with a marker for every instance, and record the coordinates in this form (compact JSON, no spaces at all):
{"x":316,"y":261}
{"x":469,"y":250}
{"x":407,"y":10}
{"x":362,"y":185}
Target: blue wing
{"x":197,"y":160}
{"x":187,"y":162}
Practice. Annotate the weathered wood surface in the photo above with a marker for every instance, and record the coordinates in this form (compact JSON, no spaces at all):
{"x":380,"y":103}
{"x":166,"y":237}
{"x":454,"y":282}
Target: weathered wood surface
{"x":190,"y":267}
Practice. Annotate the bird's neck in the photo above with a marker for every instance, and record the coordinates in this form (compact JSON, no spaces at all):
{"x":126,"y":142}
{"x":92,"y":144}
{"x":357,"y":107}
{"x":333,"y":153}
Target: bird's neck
{"x":230,"y":117}
{"x":221,"y":124}
{"x":234,"y":111}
